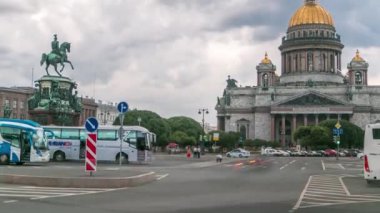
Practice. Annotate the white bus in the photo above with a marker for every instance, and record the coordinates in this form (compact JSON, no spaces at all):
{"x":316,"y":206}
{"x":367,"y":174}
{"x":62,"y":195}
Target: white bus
{"x":68,"y":143}
{"x":372,"y":152}
{"x":22,"y":141}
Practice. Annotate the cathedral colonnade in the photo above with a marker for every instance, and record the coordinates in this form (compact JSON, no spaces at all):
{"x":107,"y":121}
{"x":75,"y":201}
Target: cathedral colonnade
{"x":283,"y":125}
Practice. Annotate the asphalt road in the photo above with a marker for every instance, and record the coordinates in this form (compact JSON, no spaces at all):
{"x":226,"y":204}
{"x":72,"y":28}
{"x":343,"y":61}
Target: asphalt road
{"x":258,"y":184}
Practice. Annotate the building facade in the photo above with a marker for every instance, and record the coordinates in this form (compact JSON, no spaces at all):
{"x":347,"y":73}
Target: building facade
{"x":106,"y":112}
{"x":310,"y":89}
{"x":14,"y":102}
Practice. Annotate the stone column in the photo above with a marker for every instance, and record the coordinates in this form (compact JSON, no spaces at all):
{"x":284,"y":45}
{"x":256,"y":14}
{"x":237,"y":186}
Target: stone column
{"x":283,"y":130}
{"x":305,"y":120}
{"x":273,"y":128}
{"x":316,"y":119}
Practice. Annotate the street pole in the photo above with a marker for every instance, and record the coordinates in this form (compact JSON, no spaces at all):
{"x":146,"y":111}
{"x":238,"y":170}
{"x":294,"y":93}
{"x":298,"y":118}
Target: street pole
{"x":203,"y":111}
{"x":121,"y":117}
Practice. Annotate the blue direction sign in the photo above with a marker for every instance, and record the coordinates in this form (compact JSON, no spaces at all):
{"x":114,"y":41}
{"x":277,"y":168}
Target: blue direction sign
{"x":337,"y":131}
{"x":91,"y":124}
{"x":122,"y":107}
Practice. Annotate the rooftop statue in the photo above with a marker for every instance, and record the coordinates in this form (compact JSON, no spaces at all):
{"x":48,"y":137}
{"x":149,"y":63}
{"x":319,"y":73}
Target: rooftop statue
{"x":231,"y":83}
{"x":57,"y":55}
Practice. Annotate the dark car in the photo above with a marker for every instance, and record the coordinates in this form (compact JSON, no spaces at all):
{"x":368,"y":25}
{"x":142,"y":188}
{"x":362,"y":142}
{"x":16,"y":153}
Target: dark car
{"x":330,"y":152}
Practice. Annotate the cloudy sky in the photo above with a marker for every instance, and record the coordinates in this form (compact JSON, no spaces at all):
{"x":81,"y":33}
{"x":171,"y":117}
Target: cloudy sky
{"x":168,"y":56}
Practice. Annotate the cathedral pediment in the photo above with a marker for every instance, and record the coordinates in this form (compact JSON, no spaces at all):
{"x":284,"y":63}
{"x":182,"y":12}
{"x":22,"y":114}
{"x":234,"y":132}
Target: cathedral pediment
{"x":311,"y":99}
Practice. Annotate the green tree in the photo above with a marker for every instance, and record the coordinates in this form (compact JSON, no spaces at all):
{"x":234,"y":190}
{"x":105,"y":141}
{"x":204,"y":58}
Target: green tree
{"x":182,"y":139}
{"x":352,"y":137}
{"x":228,"y":140}
{"x":150,"y":120}
{"x":313,"y":137}
{"x":187,"y":125}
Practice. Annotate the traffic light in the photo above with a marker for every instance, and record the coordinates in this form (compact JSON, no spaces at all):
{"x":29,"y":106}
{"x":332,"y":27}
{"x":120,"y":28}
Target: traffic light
{"x":338,"y":140}
{"x":334,"y":138}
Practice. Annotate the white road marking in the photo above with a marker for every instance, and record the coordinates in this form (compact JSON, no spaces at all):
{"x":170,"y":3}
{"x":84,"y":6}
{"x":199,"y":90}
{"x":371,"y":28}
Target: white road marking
{"x":303,"y":168}
{"x":302,"y":194}
{"x":340,"y":165}
{"x":34,"y":193}
{"x":320,"y":191}
{"x":10,"y":201}
{"x":323,"y":165}
{"x":159,"y":177}
{"x":111,"y":169}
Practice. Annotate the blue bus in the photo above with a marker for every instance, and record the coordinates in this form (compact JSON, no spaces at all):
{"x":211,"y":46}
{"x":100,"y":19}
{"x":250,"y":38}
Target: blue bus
{"x":22,"y":141}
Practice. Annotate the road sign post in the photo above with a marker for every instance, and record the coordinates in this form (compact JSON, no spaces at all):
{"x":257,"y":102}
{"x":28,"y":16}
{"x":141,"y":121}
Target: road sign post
{"x":122,"y":107}
{"x":91,"y":126}
{"x":337,"y":131}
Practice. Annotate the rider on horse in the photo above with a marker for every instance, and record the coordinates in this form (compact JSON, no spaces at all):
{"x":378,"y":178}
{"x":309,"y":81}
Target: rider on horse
{"x":56,"y":56}
{"x":55,"y":46}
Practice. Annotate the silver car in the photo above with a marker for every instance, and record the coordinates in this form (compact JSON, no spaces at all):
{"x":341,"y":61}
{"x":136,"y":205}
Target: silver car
{"x":238,"y":153}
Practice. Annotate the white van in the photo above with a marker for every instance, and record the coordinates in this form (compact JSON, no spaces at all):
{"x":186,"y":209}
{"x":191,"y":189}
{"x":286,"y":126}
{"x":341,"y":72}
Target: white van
{"x":372,"y":152}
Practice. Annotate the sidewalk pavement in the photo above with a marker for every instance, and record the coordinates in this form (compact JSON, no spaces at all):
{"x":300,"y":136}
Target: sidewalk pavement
{"x":74,"y":177}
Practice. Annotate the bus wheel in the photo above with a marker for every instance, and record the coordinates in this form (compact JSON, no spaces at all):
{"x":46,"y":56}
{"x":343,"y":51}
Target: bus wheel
{"x":59,"y":156}
{"x":124,"y":158}
{"x":4,"y":159}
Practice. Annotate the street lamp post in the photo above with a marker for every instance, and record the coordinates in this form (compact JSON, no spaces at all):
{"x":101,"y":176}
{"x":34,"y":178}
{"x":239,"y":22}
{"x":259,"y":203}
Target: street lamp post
{"x":203,"y":111}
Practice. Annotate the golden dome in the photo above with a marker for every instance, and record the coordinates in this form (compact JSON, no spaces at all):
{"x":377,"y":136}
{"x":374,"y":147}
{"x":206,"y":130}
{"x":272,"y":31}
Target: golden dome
{"x":311,"y":13}
{"x":266,"y":60}
{"x":357,"y":57}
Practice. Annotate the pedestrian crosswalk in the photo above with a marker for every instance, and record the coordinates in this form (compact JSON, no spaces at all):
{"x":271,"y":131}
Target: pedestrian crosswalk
{"x":325,"y":190}
{"x":36,"y":193}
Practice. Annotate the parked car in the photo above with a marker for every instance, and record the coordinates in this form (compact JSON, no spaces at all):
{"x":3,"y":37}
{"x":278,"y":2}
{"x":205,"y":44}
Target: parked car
{"x":330,"y":153}
{"x":238,"y":153}
{"x":271,"y":152}
{"x":283,"y":153}
{"x":314,"y":154}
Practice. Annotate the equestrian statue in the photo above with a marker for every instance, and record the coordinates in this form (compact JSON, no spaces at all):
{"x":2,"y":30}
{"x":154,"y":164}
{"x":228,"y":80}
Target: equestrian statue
{"x":57,"y":55}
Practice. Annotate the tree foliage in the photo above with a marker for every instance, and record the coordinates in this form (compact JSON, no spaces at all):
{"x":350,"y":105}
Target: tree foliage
{"x":149,"y":120}
{"x":187,"y":125}
{"x":313,"y":137}
{"x":352,"y":137}
{"x":182,"y":139}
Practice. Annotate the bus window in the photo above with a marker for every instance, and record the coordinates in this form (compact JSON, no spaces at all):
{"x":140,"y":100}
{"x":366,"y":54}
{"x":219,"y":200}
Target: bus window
{"x":130,"y":137}
{"x":57,"y":133}
{"x":70,"y":134}
{"x":82,"y":135}
{"x":376,"y":134}
{"x":107,"y":135}
{"x":49,"y":134}
{"x":11,"y":135}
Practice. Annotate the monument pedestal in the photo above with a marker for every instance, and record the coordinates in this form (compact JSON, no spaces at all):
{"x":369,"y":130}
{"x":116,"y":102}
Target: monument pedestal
{"x":55,"y":102}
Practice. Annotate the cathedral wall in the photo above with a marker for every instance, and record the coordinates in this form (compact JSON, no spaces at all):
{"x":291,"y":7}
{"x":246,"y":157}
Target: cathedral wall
{"x":361,"y":99}
{"x":375,"y":117}
{"x":361,"y":119}
{"x":263,"y":126}
{"x":242,"y":101}
{"x":232,"y":123}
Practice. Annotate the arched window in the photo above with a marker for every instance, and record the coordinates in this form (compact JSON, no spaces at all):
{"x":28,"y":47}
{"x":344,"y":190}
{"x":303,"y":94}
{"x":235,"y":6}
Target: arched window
{"x":332,"y":63}
{"x":243,"y":132}
{"x":296,"y":63}
{"x":309,"y":61}
{"x":358,"y":78}
{"x":324,"y":62}
{"x":265,"y":80}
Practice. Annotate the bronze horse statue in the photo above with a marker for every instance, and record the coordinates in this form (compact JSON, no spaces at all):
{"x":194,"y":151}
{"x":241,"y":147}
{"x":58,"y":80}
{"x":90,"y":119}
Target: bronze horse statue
{"x":54,"y":58}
